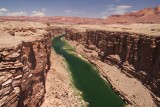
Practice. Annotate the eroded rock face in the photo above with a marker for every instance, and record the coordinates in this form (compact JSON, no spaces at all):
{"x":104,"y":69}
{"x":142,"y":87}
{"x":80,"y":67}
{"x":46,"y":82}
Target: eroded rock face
{"x":57,"y":30}
{"x":23,"y":70}
{"x":137,"y":55}
{"x":73,"y":34}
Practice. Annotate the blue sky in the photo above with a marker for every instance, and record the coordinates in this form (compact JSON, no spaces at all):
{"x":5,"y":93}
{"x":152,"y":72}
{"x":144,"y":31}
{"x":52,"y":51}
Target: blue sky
{"x":80,"y":8}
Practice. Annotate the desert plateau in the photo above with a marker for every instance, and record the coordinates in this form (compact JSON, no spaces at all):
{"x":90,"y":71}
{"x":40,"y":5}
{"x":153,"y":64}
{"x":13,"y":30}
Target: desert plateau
{"x":77,"y":58}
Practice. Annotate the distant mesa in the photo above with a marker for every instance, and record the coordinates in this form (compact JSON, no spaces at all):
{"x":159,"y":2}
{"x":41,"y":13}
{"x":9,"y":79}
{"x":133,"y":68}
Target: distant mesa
{"x":147,"y":15}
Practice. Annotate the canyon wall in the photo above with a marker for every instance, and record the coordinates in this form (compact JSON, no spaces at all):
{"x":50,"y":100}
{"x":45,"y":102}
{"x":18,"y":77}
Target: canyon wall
{"x":56,"y":30}
{"x":23,"y":69}
{"x":137,"y":55}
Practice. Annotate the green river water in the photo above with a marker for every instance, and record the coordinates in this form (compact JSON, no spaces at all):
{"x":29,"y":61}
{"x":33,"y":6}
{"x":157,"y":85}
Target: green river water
{"x":85,"y":77}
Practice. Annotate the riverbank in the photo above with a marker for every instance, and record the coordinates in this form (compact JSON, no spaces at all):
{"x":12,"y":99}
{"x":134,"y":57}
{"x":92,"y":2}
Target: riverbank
{"x":86,"y":79}
{"x":129,"y":88}
{"x":59,"y":89}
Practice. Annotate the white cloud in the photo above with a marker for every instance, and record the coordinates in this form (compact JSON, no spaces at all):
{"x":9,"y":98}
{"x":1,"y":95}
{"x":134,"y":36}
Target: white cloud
{"x":111,"y":9}
{"x":38,"y":13}
{"x":71,"y":12}
{"x":17,"y":14}
{"x":74,"y":13}
{"x":43,"y":9}
{"x":6,"y":12}
{"x":121,"y":9}
{"x":104,"y":17}
{"x":3,"y":11}
{"x":68,"y":11}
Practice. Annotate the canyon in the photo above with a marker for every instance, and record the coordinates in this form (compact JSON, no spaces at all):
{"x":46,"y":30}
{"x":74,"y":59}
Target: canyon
{"x":136,"y":54}
{"x":26,"y":57}
{"x":127,"y":54}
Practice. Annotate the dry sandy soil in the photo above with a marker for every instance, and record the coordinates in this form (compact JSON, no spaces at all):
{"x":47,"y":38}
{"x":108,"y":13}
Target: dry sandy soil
{"x":60,"y":91}
{"x":148,"y":29}
{"x":12,"y":33}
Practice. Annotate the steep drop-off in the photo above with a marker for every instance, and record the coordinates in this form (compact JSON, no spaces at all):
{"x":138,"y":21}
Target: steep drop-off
{"x":25,"y":58}
{"x":24,"y":63}
{"x":137,"y":55}
{"x":86,"y":78}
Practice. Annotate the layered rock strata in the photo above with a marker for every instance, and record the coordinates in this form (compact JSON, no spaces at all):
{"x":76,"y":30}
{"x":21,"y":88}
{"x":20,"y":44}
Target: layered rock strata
{"x":137,"y":55}
{"x":56,"y":30}
{"x":24,"y":63}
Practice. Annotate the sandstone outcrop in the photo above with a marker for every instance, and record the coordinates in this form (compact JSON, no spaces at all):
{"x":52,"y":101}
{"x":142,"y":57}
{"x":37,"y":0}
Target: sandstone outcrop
{"x":148,"y":15}
{"x":24,"y":63}
{"x":56,"y":30}
{"x":73,"y":34}
{"x":137,"y":55}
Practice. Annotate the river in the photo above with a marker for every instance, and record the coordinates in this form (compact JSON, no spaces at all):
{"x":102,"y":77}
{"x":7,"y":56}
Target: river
{"x":95,"y":90}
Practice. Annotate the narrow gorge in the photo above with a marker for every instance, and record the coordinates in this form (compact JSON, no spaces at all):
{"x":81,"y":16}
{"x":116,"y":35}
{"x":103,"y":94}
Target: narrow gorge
{"x":32,"y":75}
{"x":135,"y":54}
{"x":86,"y":79}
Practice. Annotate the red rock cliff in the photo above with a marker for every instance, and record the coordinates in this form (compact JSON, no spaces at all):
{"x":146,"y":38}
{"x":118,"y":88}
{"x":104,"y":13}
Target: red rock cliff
{"x":137,"y":55}
{"x":23,"y":69}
